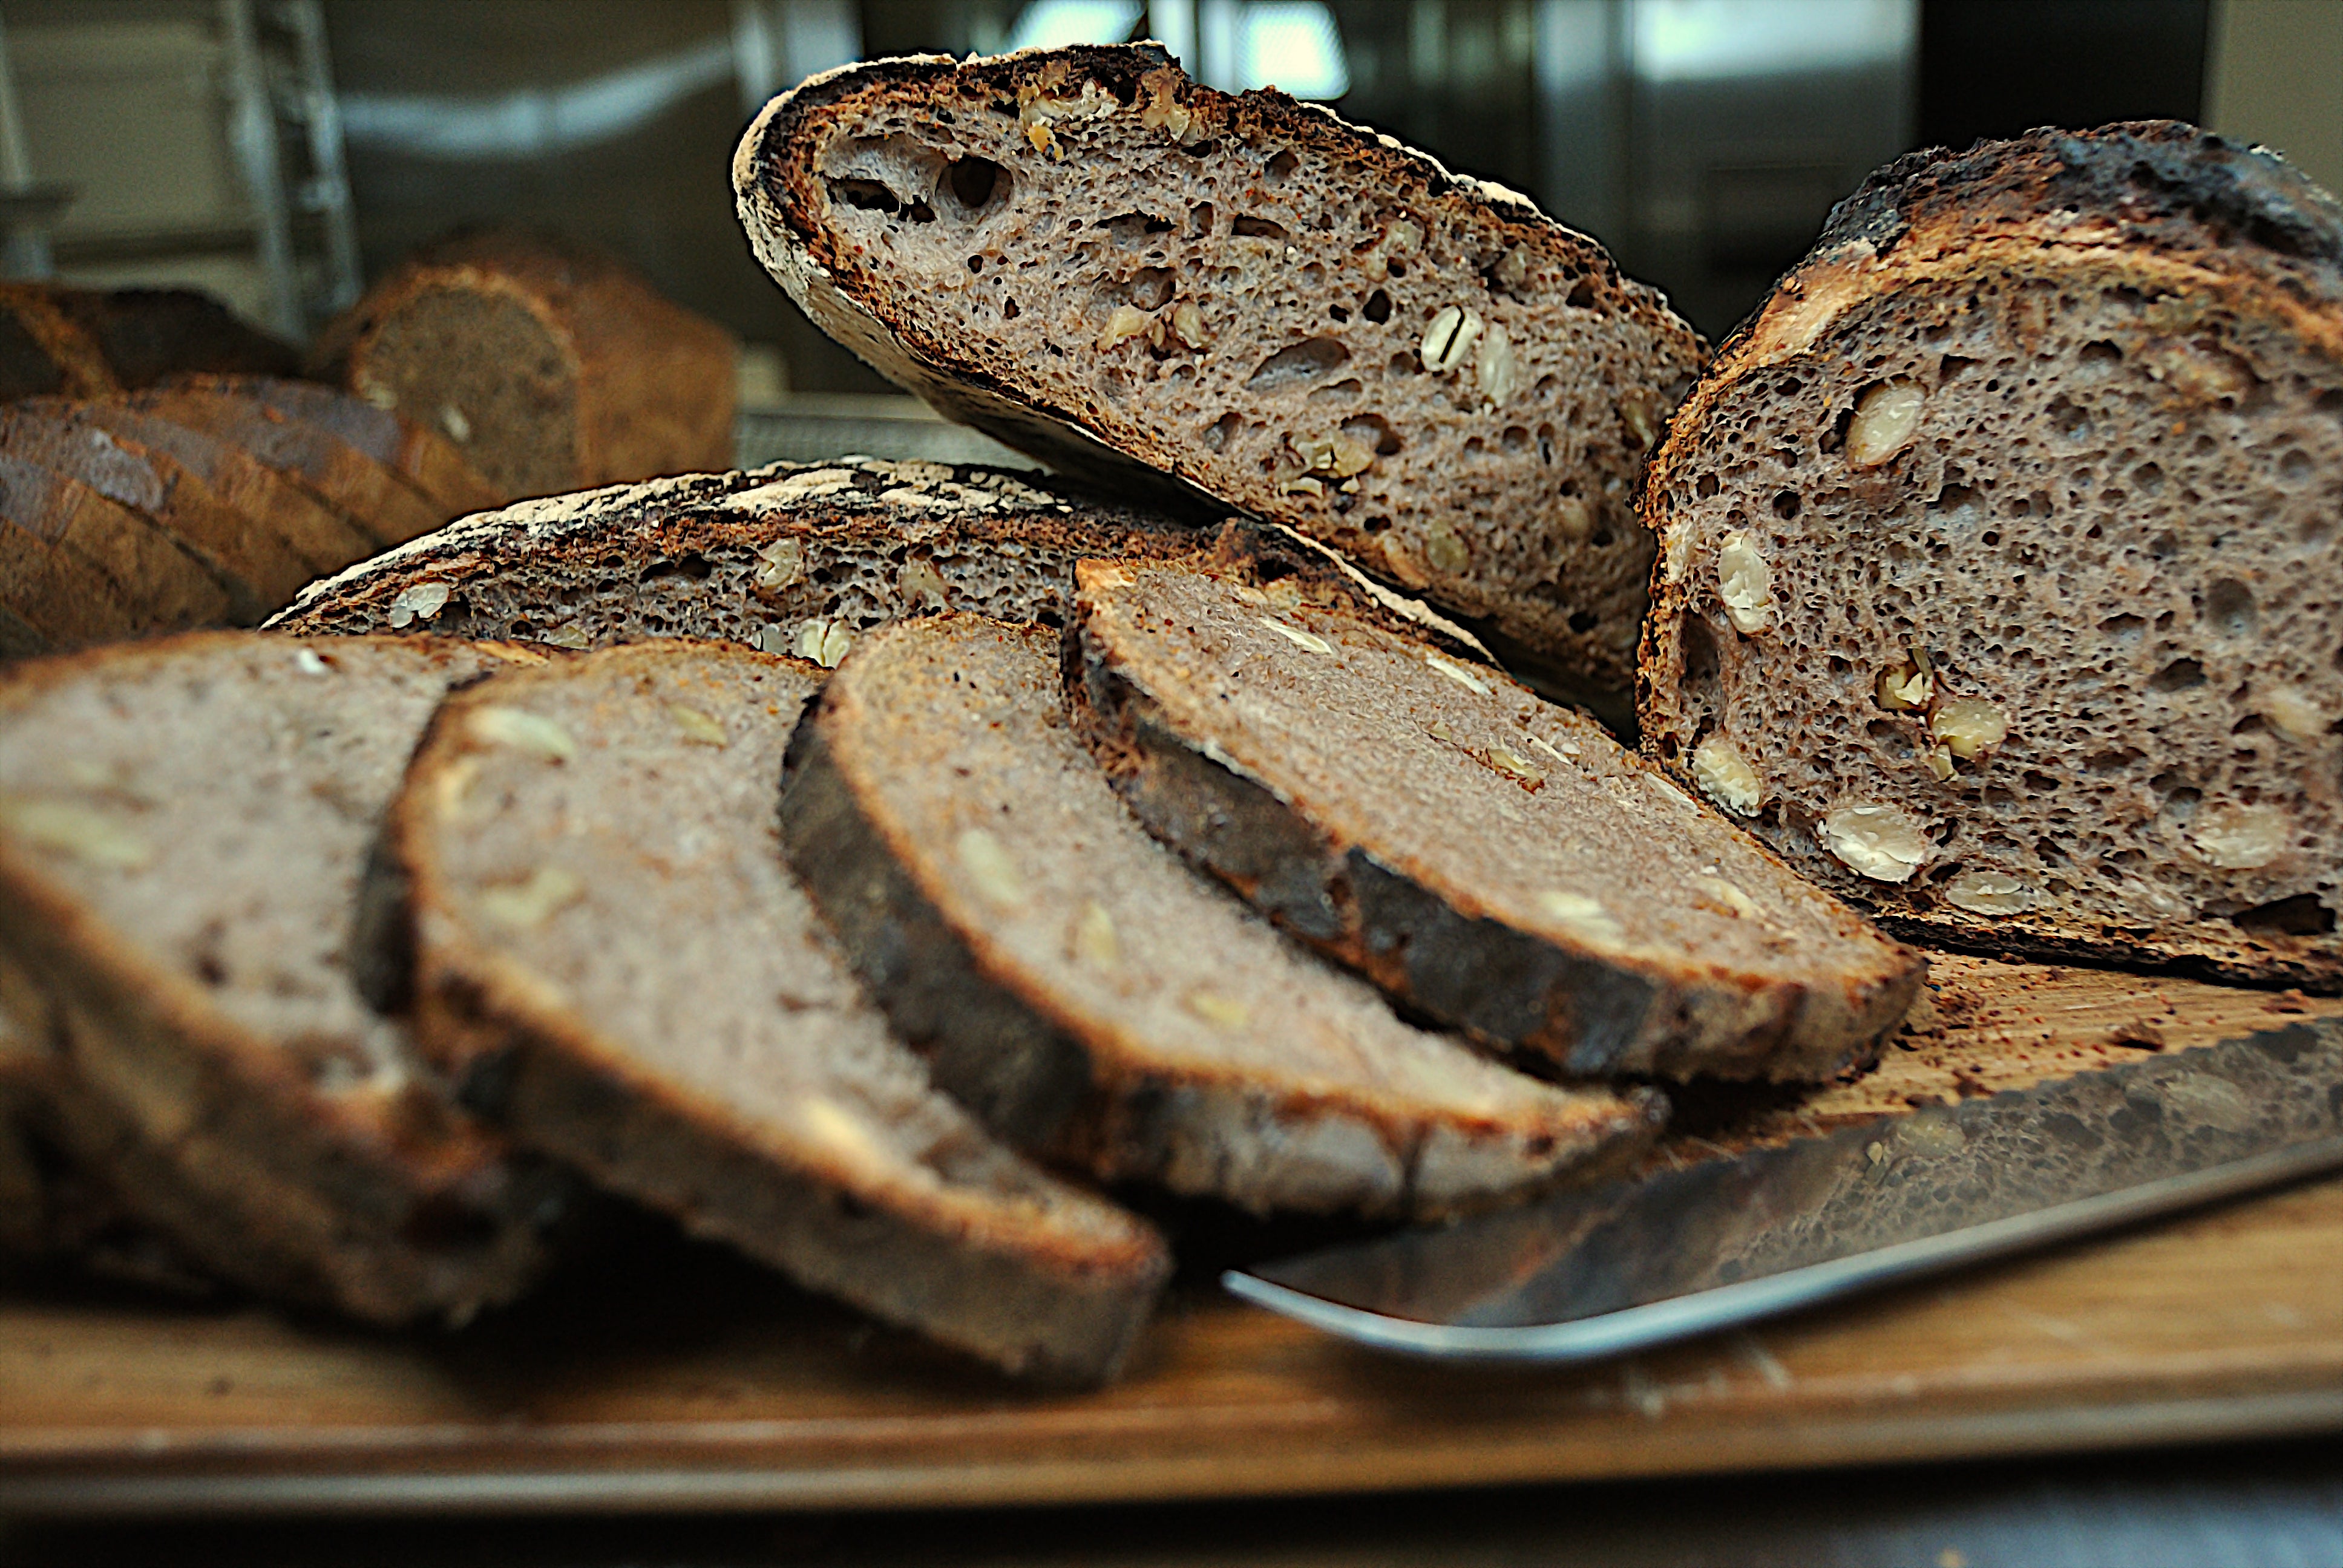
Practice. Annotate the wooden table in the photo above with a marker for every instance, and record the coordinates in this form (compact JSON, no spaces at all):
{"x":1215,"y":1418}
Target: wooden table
{"x":676,"y":1378}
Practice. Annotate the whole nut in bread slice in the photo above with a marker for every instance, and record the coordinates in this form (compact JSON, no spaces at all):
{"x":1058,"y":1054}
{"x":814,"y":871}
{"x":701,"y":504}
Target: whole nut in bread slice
{"x":1498,"y":863}
{"x":612,"y":956}
{"x":183,"y":826}
{"x":2039,"y":459}
{"x":1092,"y":998}
{"x":1106,"y":264}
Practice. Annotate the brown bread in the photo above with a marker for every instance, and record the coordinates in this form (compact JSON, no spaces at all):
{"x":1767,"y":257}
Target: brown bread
{"x":1999,"y":589}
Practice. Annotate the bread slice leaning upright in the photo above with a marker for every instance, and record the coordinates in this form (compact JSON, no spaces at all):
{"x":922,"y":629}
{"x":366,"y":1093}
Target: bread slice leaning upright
{"x":1999,"y":585}
{"x":1093,"y":997}
{"x":1104,"y":263}
{"x":183,"y":829}
{"x":611,"y":955}
{"x":1499,"y":863}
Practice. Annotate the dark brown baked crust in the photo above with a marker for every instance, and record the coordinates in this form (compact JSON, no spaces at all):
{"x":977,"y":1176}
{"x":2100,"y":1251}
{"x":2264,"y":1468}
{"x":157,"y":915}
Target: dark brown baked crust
{"x":1534,"y":535}
{"x":1192,"y":745}
{"x":2209,"y":279}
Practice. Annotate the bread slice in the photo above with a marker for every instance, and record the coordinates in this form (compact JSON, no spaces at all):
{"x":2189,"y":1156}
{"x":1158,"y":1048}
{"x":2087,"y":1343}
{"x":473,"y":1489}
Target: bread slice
{"x":552,"y":365}
{"x":1091,"y":997}
{"x":320,"y":462}
{"x":1100,"y":262}
{"x":789,"y":559}
{"x":154,"y":579}
{"x":52,"y":599}
{"x":1500,"y":864}
{"x":610,"y":951}
{"x":1999,"y":583}
{"x":183,"y":826}
{"x":421,"y":459}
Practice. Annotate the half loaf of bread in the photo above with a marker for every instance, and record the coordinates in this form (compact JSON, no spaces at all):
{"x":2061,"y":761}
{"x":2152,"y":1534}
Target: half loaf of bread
{"x":1999,"y":587}
{"x":183,"y":828}
{"x":1104,"y":263}
{"x":1092,"y":996}
{"x":1499,"y":863}
{"x":798,"y":560}
{"x":611,"y":954}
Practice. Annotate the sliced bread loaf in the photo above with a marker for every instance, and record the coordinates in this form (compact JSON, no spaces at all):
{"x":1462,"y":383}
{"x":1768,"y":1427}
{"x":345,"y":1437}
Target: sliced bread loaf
{"x":1999,"y":583}
{"x":610,"y":951}
{"x":183,"y":826}
{"x":551,"y":364}
{"x":421,"y":459}
{"x":787,"y":558}
{"x":158,"y":581}
{"x":386,"y":511}
{"x":1498,"y":863}
{"x":1092,"y":998}
{"x":1104,"y":263}
{"x":52,"y":599}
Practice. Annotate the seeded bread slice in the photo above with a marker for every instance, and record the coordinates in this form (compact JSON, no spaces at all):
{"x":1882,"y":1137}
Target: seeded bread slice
{"x":183,"y":826}
{"x":1498,"y":863}
{"x":552,"y":365}
{"x":610,"y":951}
{"x":1999,"y":585}
{"x":789,"y":558}
{"x":1091,"y":997}
{"x":1104,"y":263}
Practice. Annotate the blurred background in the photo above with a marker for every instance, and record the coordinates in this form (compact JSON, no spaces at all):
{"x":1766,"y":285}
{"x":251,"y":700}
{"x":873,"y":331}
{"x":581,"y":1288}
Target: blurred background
{"x":282,"y":153}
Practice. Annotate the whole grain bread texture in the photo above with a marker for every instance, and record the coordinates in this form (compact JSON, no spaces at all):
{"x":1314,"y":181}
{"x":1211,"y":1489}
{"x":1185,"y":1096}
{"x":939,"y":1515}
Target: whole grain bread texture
{"x":1999,"y":588}
{"x":551,"y":364}
{"x":183,"y":828}
{"x":611,"y":954}
{"x":1497,"y":863}
{"x":1092,"y":998}
{"x":86,"y":342}
{"x":1130,"y":275}
{"x":417,"y":455}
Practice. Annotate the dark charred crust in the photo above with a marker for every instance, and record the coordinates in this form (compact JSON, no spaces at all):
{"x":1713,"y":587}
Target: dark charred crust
{"x":1018,"y":1073}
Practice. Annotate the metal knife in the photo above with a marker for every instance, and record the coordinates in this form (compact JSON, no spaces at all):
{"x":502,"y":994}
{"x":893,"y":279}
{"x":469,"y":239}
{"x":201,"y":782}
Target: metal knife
{"x":1636,"y":1263}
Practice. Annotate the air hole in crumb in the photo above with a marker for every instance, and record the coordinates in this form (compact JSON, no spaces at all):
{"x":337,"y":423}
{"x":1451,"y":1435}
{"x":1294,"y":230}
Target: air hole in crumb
{"x":1785,"y":505}
{"x":1582,"y":295}
{"x":1949,"y":368}
{"x":1705,"y":487}
{"x":976,"y":264}
{"x":2180,"y":675}
{"x":2102,"y":354}
{"x":920,"y":212}
{"x":1150,"y":288}
{"x":1131,"y":227}
{"x":868,"y":196}
{"x":1377,"y":308}
{"x":975,"y":183}
{"x":1304,"y":361}
{"x":1582,"y":621}
{"x":1279,"y":169}
{"x":1217,"y":434}
{"x":2123,"y":627}
{"x":1009,"y":310}
{"x":1251,"y":227}
{"x":695,"y":567}
{"x":1375,"y":432}
{"x":1378,"y":525}
{"x":1338,"y":313}
{"x":1397,"y":268}
{"x":1200,"y":218}
{"x":2300,"y":916}
{"x":2229,"y":608}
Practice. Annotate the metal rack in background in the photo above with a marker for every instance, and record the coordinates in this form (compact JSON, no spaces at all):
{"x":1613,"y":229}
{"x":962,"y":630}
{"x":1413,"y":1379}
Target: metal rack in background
{"x":217,"y":156}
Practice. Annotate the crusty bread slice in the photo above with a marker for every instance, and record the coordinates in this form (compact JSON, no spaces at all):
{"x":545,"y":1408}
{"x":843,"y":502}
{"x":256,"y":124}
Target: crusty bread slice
{"x":1104,"y":263}
{"x":610,"y":951}
{"x":183,"y":826}
{"x":1092,"y":996}
{"x":1499,"y":863}
{"x":789,"y":558}
{"x":1999,"y":578}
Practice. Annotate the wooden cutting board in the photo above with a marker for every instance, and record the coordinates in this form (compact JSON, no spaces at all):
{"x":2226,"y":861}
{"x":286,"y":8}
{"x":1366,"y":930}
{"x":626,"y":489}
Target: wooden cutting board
{"x":681,"y":1378}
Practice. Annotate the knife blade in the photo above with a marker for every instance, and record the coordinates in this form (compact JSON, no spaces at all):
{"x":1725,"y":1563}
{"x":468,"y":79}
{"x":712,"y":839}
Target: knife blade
{"x":1640,"y":1263}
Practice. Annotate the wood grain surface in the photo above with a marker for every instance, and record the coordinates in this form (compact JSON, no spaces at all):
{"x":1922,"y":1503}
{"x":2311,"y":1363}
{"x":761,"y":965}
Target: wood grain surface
{"x":677,"y":1378}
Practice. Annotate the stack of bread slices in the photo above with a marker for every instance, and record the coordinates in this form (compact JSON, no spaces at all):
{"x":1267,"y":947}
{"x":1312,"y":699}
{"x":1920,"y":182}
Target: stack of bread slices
{"x":884,"y":868}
